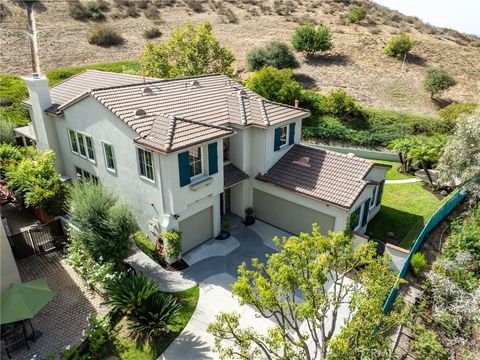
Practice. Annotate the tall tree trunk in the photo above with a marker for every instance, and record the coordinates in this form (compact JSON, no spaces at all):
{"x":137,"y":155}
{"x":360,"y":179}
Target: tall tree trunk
{"x":402,"y":161}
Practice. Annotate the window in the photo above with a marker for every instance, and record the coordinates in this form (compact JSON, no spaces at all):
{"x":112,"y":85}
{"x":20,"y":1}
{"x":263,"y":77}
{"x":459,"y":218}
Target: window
{"x":109,"y":157}
{"x":226,"y":149}
{"x":195,"y":162}
{"x":90,"y":151}
{"x":81,"y":143}
{"x":85,"y":175}
{"x":145,"y":163}
{"x":73,"y":141}
{"x":354,"y":219}
{"x":374,"y":192}
{"x":283,"y":135}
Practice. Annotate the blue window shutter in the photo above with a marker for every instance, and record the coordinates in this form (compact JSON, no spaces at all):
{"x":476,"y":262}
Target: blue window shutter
{"x":366,"y":205}
{"x":212,"y":158}
{"x":276,"y":144}
{"x":291,"y":139}
{"x":184,"y":168}
{"x":380,"y":192}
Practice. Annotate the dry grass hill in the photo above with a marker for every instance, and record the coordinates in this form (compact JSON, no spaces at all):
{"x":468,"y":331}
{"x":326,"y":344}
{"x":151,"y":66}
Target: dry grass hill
{"x":357,"y":62}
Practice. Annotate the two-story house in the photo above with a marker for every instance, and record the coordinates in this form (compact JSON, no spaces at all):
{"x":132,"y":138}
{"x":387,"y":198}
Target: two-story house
{"x":184,"y":152}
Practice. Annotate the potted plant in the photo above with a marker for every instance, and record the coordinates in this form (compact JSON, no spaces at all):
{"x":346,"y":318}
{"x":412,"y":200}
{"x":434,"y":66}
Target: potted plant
{"x":172,"y":246}
{"x":249,"y":218}
{"x":226,"y":227}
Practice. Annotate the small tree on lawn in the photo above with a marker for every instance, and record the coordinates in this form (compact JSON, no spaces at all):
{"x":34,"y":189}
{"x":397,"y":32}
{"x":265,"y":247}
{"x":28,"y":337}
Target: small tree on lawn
{"x":104,"y":225}
{"x":275,"y":53}
{"x":424,"y":155}
{"x":304,"y":288}
{"x":403,"y":147}
{"x":437,"y":80}
{"x":460,"y":160}
{"x":276,"y":85}
{"x":311,"y":40}
{"x":191,"y":50}
{"x":398,"y":46}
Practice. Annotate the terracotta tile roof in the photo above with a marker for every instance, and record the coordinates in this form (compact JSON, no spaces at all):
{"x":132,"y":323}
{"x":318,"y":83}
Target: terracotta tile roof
{"x":77,"y":85}
{"x":331,"y":177}
{"x":169,"y":133}
{"x":232,"y":175}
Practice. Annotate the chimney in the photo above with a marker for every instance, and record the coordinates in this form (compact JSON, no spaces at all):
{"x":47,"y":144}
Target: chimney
{"x":43,"y":123}
{"x":296,"y":103}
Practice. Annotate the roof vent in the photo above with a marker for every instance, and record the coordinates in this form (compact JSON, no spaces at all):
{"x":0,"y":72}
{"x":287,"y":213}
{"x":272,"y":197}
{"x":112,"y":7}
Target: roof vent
{"x":147,"y":91}
{"x":242,"y":93}
{"x":350,"y":155}
{"x":195,"y":84}
{"x":140,"y":112}
{"x":303,"y":161}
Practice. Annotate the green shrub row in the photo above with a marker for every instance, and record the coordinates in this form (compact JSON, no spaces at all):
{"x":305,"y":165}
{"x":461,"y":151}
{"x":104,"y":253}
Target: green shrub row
{"x":144,"y":244}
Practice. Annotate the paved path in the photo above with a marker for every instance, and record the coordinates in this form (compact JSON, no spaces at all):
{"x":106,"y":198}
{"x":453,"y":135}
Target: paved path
{"x":405,"y":181}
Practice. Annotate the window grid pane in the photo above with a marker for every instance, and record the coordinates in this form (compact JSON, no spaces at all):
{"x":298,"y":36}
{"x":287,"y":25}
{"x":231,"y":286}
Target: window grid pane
{"x":91,"y":153}
{"x":283,"y":136}
{"x":109,"y":159}
{"x":145,"y":161}
{"x":81,"y":143}
{"x":73,"y":141}
{"x":195,"y":161}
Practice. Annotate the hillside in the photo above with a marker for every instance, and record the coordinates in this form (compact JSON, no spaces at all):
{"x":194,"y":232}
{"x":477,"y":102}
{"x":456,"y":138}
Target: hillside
{"x":357,"y":63}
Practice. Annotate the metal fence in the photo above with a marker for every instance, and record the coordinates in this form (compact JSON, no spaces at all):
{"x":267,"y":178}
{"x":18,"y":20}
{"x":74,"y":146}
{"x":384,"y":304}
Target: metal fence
{"x":436,"y":219}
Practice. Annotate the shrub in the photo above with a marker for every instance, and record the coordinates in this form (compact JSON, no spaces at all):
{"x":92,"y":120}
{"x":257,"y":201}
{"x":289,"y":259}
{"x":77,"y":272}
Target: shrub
{"x":437,"y":80}
{"x":310,"y":40}
{"x":78,"y":11}
{"x":7,"y":136}
{"x":418,"y":263}
{"x":152,"y":33}
{"x":398,"y":46}
{"x":275,"y":84}
{"x":100,"y":338}
{"x":144,"y":244}
{"x":357,"y":14}
{"x":451,"y":112}
{"x":464,"y":236}
{"x":195,"y":5}
{"x":103,"y":5}
{"x":12,"y":91}
{"x":37,"y":180}
{"x":311,"y":100}
{"x":152,"y":13}
{"x":339,"y":104}
{"x":426,"y":345}
{"x":104,"y":225}
{"x":154,"y":315}
{"x":94,"y":11}
{"x":275,"y":53}
{"x":172,"y":240}
{"x":104,"y":36}
{"x":9,"y":155}
{"x":128,"y":292}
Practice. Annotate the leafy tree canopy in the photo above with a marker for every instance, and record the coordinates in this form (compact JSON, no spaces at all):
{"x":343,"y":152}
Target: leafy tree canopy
{"x":437,"y":80}
{"x":275,"y":84}
{"x":191,"y":50}
{"x":398,"y":46}
{"x":275,"y":53}
{"x":302,"y":288}
{"x":310,"y":39}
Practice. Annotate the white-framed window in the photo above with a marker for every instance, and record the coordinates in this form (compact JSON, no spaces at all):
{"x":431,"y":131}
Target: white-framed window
{"x":73,"y":141}
{"x":83,"y":175}
{"x":145,"y":164}
{"x":195,"y":162}
{"x":81,"y":144}
{"x":109,"y":156}
{"x":283,"y":135}
{"x":374,"y":193}
{"x":90,"y":149}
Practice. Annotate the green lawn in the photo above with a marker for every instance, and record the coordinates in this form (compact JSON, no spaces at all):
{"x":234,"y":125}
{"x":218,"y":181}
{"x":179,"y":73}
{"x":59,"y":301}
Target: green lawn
{"x":128,"y":349}
{"x":393,"y":173}
{"x":406,"y":208}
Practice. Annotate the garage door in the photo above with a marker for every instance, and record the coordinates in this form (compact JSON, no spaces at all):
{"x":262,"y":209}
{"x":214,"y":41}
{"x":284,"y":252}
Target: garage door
{"x":196,"y":229}
{"x":289,"y":216}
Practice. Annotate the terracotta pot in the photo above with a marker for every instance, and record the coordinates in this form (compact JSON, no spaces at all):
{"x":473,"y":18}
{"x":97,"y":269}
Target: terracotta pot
{"x":42,"y":215}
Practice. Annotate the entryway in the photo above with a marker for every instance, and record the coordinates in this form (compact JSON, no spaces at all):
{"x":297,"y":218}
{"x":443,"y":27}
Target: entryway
{"x":225,"y":202}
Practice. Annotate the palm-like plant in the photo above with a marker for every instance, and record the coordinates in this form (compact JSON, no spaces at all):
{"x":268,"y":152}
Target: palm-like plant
{"x":403,"y":147}
{"x":423,"y":156}
{"x":127,"y":293}
{"x":154,"y":315}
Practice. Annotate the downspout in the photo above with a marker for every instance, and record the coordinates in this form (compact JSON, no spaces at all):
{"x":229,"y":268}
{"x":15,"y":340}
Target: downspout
{"x":32,"y":34}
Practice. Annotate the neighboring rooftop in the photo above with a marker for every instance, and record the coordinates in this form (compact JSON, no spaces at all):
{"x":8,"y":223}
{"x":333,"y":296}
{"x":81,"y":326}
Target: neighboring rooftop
{"x":232,"y":175}
{"x":331,"y":177}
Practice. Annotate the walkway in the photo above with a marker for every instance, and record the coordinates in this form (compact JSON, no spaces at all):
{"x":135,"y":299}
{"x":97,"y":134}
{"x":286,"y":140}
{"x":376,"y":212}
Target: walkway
{"x":405,"y":181}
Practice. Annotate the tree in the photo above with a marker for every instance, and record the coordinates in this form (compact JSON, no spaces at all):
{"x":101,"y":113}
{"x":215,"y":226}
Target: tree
{"x":310,"y":39}
{"x":191,"y":50}
{"x":38,"y":182}
{"x":460,"y":160}
{"x":103,"y":224}
{"x":302,"y":288}
{"x":437,"y":80}
{"x":339,"y":104}
{"x":398,"y":46}
{"x":275,"y":53}
{"x":275,"y":84}
{"x":424,"y":154}
{"x":403,"y":147}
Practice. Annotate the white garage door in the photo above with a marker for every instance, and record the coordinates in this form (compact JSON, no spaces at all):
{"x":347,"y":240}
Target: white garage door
{"x":289,"y":216}
{"x":196,"y":229}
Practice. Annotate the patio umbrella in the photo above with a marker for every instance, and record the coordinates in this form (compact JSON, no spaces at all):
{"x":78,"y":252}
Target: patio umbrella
{"x":23,"y":301}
